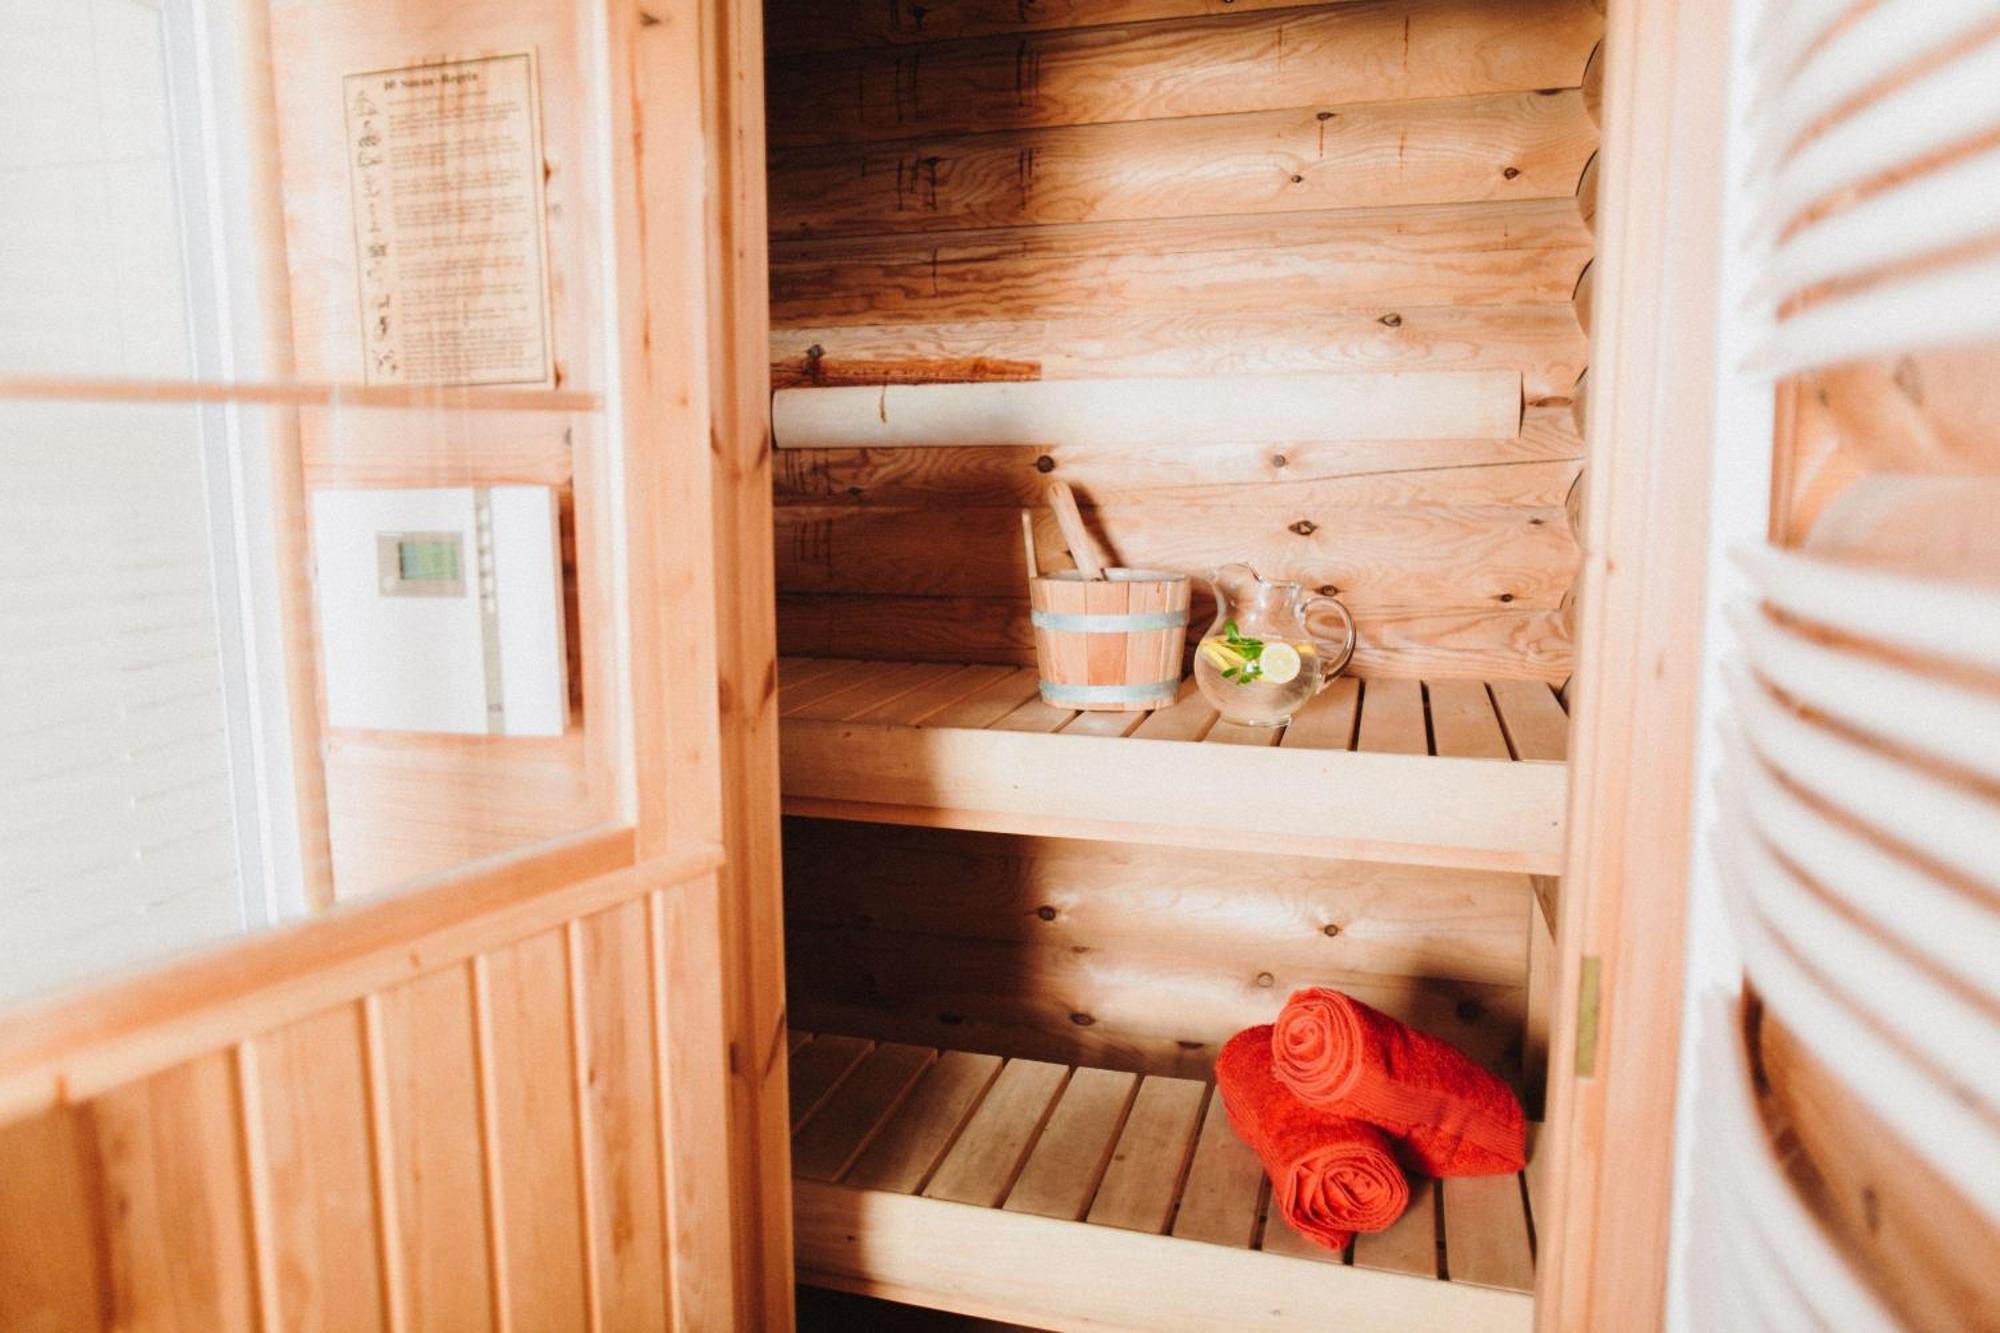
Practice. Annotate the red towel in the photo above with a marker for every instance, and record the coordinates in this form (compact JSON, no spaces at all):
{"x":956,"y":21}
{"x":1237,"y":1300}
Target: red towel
{"x":1454,"y":1117}
{"x":1331,"y":1176}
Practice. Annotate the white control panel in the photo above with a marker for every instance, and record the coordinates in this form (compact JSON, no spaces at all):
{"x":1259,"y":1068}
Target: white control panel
{"x":441,"y":609}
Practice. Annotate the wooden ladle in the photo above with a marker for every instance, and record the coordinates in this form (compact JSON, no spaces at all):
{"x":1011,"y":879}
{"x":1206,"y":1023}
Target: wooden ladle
{"x":1075,"y":536}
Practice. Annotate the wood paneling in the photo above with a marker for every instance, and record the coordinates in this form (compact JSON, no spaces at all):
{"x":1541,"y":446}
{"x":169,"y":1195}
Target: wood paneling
{"x":1476,"y":644}
{"x":813,"y":25}
{"x":1541,"y":341}
{"x":1125,"y":189}
{"x":1339,"y":54}
{"x":1119,"y":1008}
{"x":1301,"y":159}
{"x":1524,"y":469}
{"x":1378,"y":558}
{"x":1298,"y":914}
{"x":1300,"y":263}
{"x":476,"y":1146}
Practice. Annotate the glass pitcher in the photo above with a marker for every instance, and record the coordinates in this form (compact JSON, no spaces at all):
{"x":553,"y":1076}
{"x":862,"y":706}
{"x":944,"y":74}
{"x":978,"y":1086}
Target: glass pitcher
{"x":1258,"y":664}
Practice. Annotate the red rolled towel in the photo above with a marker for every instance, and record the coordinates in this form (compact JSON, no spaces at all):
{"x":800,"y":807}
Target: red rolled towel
{"x":1453,"y":1116}
{"x":1331,"y":1176}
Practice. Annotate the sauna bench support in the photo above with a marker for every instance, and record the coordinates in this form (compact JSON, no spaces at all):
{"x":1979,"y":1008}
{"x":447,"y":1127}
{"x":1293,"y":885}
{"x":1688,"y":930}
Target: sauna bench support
{"x":1075,"y":1197}
{"x":1446,"y":773}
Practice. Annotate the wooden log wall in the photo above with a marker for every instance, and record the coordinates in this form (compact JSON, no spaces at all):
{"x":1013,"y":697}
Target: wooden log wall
{"x":1130,"y":957}
{"x":971,"y":190}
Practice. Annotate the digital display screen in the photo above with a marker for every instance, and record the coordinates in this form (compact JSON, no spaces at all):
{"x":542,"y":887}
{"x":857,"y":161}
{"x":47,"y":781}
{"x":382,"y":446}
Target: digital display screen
{"x":427,"y":560}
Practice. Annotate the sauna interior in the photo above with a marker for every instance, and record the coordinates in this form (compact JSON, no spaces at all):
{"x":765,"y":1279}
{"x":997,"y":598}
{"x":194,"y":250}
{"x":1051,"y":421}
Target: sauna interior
{"x":1017,"y":934}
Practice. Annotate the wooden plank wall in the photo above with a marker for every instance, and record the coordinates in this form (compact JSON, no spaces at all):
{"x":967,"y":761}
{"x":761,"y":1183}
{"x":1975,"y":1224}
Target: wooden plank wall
{"x":970,"y":190}
{"x":1130,"y":957}
{"x":483,"y":1143}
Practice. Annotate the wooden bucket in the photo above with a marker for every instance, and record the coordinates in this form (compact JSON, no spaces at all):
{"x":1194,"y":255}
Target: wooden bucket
{"x":1112,"y":644}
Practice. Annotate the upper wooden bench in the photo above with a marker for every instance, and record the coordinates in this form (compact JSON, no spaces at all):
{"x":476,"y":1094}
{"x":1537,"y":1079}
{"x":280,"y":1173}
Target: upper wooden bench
{"x":1448,"y":773}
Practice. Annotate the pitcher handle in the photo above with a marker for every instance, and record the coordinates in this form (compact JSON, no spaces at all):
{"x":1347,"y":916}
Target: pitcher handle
{"x":1332,"y":664}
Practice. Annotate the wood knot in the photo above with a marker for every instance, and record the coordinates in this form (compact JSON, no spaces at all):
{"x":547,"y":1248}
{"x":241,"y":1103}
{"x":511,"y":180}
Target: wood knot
{"x":1392,"y":320}
{"x":1511,"y":173}
{"x":1082,"y":1020}
{"x":815,"y":352}
{"x":1046,"y":913}
{"x":1265,"y":980}
{"x":1279,"y":460}
{"x":1305,"y":527}
{"x":1506,"y":597}
{"x":1045,"y":464}
{"x":1330,"y":929}
{"x":1470,"y":1011}
{"x":1298,"y":180}
{"x":1328,"y":590}
{"x":1324,"y":115}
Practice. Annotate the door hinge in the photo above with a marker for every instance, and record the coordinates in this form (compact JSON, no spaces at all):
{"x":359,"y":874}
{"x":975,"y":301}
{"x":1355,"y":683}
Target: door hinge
{"x":1586,"y":1016}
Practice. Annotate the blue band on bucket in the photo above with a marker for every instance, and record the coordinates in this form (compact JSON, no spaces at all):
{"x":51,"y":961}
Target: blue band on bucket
{"x":1106,"y":624}
{"x":1074,"y":695}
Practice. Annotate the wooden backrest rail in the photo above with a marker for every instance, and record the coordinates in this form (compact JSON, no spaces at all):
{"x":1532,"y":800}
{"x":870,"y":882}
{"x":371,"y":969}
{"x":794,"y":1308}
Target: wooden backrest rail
{"x":75,"y":1047}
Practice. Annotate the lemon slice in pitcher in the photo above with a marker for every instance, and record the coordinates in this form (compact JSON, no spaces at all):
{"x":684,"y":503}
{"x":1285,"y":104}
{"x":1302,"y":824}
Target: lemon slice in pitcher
{"x":1280,"y":663}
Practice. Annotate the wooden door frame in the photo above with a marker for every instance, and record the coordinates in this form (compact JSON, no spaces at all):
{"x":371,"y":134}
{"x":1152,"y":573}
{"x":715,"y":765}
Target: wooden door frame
{"x":1613,"y":1079}
{"x":699,"y":839}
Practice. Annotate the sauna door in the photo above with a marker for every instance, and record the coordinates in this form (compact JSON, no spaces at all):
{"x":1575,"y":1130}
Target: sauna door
{"x":412,"y":338}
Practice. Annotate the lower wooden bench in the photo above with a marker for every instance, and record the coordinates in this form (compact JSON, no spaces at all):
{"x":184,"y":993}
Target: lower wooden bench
{"x":1073,"y":1197}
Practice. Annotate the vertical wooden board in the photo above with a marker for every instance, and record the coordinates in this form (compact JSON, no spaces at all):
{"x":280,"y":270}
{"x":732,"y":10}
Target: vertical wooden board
{"x":175,"y":1222}
{"x":534,"y":1121}
{"x":1537,"y":727}
{"x":1463,"y":721}
{"x":818,"y":1068}
{"x":982,"y":1163}
{"x":830,"y":1140}
{"x":1486,"y":1233}
{"x":691,"y":1051}
{"x":987,"y":706}
{"x":1067,"y":1161}
{"x":1543,"y":962}
{"x":904,"y":1150}
{"x":1409,"y":1245}
{"x":435,"y":1151}
{"x":51,"y":1273}
{"x":312,"y":1089}
{"x":1219,"y":1203}
{"x":1278,"y":1238}
{"x":1535,"y":1178}
{"x":627,"y":1212}
{"x":1327,"y":720}
{"x":1392,"y":717}
{"x":1144,"y":1177}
